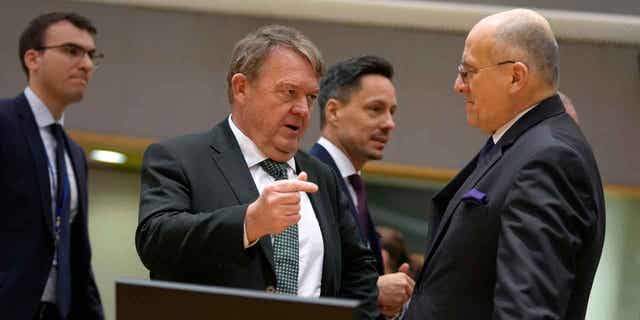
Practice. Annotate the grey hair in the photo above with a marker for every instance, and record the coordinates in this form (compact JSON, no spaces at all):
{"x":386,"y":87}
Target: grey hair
{"x":529,"y":37}
{"x":251,"y":51}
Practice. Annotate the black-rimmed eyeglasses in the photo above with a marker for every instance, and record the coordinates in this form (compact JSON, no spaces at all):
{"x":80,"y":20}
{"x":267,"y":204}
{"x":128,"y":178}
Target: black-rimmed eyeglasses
{"x":464,"y":74}
{"x":76,"y":52}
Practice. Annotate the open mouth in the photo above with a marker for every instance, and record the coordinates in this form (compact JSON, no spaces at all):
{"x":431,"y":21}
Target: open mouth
{"x":293,"y":127}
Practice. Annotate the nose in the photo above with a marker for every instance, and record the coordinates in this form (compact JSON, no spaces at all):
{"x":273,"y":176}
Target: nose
{"x":301,"y":107}
{"x":86,"y":62}
{"x":458,"y":85}
{"x":389,"y":124}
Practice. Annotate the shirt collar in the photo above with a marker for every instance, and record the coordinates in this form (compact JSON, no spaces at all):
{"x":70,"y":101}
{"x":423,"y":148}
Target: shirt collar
{"x":250,"y":151}
{"x":502,"y":130}
{"x":40,"y":111}
{"x":345,"y":166}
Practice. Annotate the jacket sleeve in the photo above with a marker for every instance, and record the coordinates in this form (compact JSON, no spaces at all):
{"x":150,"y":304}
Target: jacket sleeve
{"x":171,"y":237}
{"x":548,"y":218}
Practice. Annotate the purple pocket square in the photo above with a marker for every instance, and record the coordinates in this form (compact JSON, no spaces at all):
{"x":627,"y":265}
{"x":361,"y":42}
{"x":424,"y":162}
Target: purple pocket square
{"x":476,"y":196}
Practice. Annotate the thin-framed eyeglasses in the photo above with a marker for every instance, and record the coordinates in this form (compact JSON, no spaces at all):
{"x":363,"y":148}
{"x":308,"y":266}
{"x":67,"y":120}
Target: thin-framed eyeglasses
{"x":76,"y":52}
{"x":464,"y":74}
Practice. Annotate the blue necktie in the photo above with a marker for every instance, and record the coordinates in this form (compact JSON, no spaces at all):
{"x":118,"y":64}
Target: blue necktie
{"x":62,"y":212}
{"x":286,"y":249}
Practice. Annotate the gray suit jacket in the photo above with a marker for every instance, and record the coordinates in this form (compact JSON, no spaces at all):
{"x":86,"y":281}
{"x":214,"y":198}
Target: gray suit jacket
{"x":519,"y":235}
{"x":195,"y":192}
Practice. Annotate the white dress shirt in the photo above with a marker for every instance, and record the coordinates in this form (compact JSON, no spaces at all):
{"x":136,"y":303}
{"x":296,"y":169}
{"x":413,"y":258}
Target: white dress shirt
{"x":345,"y":166}
{"x":311,"y":245}
{"x":44,"y":119}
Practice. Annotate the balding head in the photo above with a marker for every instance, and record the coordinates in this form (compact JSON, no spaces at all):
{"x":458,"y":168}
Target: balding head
{"x":509,"y":63}
{"x":525,"y":35}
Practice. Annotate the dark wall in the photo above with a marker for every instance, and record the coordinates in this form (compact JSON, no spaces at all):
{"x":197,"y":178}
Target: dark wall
{"x":164,"y":75}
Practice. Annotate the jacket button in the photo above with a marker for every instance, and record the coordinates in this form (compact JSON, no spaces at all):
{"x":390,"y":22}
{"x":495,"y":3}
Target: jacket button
{"x":270,"y":289}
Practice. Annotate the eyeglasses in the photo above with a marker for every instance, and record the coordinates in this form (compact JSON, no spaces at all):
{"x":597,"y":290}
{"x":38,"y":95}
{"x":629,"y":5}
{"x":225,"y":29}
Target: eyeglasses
{"x":77,"y":52}
{"x":464,"y":74}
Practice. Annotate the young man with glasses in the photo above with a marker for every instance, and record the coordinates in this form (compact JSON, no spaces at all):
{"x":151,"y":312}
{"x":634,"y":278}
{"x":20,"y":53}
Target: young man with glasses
{"x":518,"y":233}
{"x":45,"y":260}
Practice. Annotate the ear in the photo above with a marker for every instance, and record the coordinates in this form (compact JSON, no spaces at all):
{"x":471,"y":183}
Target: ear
{"x":239,"y":84}
{"x":519,"y":76}
{"x":332,"y":111}
{"x":32,"y":59}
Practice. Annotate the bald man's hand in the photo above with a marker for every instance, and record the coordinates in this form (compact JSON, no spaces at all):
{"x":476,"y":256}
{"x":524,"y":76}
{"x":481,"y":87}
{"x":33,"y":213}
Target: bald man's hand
{"x":277,"y":208}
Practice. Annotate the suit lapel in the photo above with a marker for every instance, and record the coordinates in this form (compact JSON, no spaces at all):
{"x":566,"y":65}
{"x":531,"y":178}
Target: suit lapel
{"x":370,"y":236}
{"x":226,"y":153}
{"x":471,"y":174}
{"x":324,"y":156}
{"x":319,"y":210}
{"x":31,"y":133}
{"x":449,"y":200}
{"x":78,"y":164}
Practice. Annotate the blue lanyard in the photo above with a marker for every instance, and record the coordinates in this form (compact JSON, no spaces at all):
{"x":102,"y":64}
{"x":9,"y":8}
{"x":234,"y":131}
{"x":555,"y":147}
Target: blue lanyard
{"x":65,"y":193}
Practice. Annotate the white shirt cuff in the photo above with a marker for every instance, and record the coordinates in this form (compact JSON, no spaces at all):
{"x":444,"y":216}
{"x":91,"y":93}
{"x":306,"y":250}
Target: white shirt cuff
{"x":245,"y":241}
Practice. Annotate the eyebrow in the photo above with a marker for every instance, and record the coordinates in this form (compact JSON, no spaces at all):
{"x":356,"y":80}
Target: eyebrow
{"x":72,"y":44}
{"x":286,"y":84}
{"x":466,"y":64}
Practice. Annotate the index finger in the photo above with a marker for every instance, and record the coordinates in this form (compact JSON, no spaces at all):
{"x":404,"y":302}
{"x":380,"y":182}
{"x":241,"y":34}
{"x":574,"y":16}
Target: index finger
{"x":294,"y":186}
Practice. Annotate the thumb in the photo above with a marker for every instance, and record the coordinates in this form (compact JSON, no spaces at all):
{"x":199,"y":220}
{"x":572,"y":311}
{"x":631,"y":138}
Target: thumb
{"x":404,"y":268}
{"x":302,"y":176}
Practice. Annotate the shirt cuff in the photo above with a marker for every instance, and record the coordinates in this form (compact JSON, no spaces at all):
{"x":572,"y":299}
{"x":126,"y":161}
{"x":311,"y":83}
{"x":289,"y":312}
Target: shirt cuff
{"x":245,"y":241}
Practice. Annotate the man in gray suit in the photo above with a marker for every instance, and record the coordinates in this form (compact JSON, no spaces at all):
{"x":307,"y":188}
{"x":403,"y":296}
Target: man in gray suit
{"x":518,"y":233}
{"x":239,"y":205}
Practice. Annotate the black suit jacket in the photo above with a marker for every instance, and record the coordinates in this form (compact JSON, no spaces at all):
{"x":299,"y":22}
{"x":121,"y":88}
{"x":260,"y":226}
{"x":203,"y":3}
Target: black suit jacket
{"x":195,"y":192}
{"x":26,"y":228}
{"x":372,"y":237}
{"x":530,"y":249}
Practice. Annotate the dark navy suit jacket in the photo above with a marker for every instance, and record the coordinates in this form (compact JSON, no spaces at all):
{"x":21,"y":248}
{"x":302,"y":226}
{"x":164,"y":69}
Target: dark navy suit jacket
{"x":26,"y":229}
{"x":519,"y":234}
{"x":370,"y":234}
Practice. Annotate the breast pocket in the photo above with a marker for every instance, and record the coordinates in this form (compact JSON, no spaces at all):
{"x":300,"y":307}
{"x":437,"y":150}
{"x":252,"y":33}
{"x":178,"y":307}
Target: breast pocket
{"x":471,"y":229}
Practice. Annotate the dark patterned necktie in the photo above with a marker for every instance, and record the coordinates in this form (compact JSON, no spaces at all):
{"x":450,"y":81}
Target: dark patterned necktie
{"x":62,"y":212}
{"x":361,"y":195}
{"x":285,"y":244}
{"x":484,"y":152}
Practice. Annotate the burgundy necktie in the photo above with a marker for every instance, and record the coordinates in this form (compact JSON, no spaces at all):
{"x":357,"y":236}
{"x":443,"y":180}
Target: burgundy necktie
{"x":361,"y":195}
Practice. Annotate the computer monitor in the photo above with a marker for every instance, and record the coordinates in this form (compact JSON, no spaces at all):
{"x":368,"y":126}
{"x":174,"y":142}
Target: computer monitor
{"x":160,"y":300}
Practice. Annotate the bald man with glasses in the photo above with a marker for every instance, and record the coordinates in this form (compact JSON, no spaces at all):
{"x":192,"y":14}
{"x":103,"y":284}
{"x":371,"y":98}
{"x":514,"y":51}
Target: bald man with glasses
{"x":518,"y":233}
{"x":45,"y":255}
